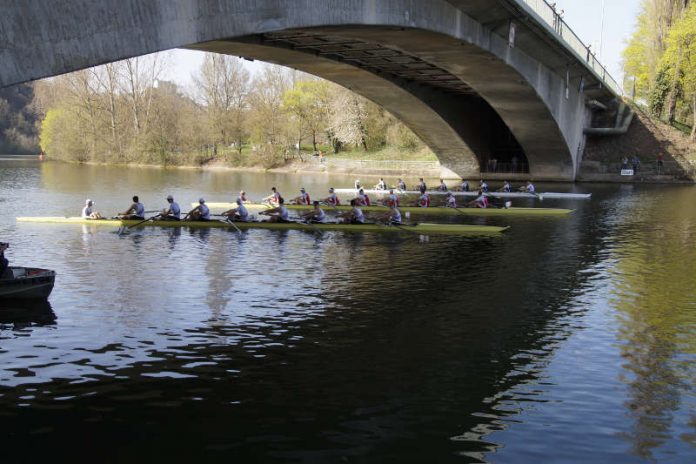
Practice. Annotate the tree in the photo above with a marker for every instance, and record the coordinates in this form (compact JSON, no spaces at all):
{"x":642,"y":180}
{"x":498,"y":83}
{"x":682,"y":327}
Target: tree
{"x":308,"y":102}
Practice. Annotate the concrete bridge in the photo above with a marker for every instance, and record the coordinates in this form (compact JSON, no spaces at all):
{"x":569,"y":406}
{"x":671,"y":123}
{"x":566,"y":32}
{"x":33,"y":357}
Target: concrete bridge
{"x":474,"y":79}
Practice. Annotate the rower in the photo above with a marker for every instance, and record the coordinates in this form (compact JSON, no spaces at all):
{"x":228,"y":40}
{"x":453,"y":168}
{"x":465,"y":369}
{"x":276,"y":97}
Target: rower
{"x":362,"y":199}
{"x":423,"y":200}
{"x":273,"y":198}
{"x":381,"y":185}
{"x":507,"y":188}
{"x":421,"y":184}
{"x":171,"y":212}
{"x":316,"y":215}
{"x":356,"y":184}
{"x":442,"y":187}
{"x":135,"y":212}
{"x":483,"y":186}
{"x":451,"y":200}
{"x":393,"y":217}
{"x":88,"y":213}
{"x":479,"y":202}
{"x":199,"y":213}
{"x":242,"y":197}
{"x":354,"y":216}
{"x":392,"y":199}
{"x":277,"y":214}
{"x":303,"y":199}
{"x":465,"y":186}
{"x":332,"y":199}
{"x":401,"y":185}
{"x":529,"y":188}
{"x":240,"y":213}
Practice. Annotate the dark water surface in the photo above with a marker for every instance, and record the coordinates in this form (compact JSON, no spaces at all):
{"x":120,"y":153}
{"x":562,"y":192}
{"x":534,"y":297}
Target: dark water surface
{"x":564,"y":340}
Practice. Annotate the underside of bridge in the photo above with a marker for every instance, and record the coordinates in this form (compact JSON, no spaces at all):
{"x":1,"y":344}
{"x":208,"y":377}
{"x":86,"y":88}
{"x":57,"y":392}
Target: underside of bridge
{"x":443,"y":110}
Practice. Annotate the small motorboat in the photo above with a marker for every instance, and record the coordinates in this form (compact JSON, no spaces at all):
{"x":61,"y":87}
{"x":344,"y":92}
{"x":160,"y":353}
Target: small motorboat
{"x":26,"y":283}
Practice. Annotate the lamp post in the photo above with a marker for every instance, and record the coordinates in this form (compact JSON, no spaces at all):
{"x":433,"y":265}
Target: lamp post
{"x":601,"y":34}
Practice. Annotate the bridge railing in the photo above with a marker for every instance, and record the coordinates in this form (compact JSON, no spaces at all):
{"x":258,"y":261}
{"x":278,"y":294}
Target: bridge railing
{"x":550,"y":16}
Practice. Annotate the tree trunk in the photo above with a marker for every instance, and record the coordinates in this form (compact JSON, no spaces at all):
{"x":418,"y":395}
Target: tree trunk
{"x":693,"y":122}
{"x":673,"y":92}
{"x":314,"y":140}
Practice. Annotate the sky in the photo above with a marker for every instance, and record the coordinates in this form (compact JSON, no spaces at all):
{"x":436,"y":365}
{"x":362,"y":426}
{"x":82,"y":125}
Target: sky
{"x":583,"y":16}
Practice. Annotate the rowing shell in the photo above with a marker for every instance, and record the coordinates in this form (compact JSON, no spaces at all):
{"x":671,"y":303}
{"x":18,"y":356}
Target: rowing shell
{"x":559,"y":195}
{"x":422,"y":228}
{"x":438,"y":210}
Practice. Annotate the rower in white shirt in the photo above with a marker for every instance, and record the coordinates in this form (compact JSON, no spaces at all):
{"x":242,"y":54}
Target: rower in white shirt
{"x":381,"y":185}
{"x":332,"y":199}
{"x":136,"y":211}
{"x":277,"y":214}
{"x":354,"y":216}
{"x":316,"y":215}
{"x":171,"y":212}
{"x":88,"y":213}
{"x":273,"y":198}
{"x":451,"y":200}
{"x":302,"y":199}
{"x":240,"y":213}
{"x":199,"y":213}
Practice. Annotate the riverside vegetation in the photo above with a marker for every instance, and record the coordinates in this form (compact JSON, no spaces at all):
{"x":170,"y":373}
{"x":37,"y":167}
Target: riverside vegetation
{"x":123,"y":113}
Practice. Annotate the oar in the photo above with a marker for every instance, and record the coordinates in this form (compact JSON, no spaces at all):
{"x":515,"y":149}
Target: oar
{"x":229,"y":221}
{"x":123,"y":229}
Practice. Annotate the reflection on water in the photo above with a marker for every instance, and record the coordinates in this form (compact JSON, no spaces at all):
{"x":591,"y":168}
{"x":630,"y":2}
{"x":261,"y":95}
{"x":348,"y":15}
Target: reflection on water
{"x":565,"y":340}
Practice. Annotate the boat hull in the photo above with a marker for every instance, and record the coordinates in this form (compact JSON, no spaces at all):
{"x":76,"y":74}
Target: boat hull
{"x":435,"y":211}
{"x":27,"y":284}
{"x":540,"y":195}
{"x":422,"y":228}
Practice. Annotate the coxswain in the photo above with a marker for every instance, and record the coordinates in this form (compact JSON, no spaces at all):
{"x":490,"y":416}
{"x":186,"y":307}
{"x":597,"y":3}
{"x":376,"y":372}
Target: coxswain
{"x":362,"y":198}
{"x":423,"y":200}
{"x":316,"y":215}
{"x":401,"y":185}
{"x":483,"y":186}
{"x":303,"y":199}
{"x":381,"y":185}
{"x":393,"y":217}
{"x":273,"y":198}
{"x":451,"y":200}
{"x":172,"y":212}
{"x":199,"y":213}
{"x":442,"y":187}
{"x":421,"y":184}
{"x":277,"y":214}
{"x":88,"y":213}
{"x":332,"y":199}
{"x":479,"y":202}
{"x":507,"y":188}
{"x":240,"y":213}
{"x":529,"y":188}
{"x":354,"y":216}
{"x":464,"y":187}
{"x":136,"y":211}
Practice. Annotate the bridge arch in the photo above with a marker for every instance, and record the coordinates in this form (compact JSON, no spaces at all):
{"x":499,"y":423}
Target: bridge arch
{"x":466,"y":89}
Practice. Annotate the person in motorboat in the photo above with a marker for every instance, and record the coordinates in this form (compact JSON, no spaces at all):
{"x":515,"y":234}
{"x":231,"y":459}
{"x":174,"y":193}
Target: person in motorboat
{"x":273,"y":198}
{"x":239,"y":214}
{"x":277,"y":214}
{"x":479,"y":202}
{"x":507,"y":188}
{"x":316,"y":215}
{"x":451,"y":200}
{"x":199,"y":213}
{"x":4,"y":263}
{"x":483,"y":186}
{"x":302,"y":199}
{"x":136,"y":211}
{"x":442,"y":187}
{"x":171,"y":212}
{"x":421,"y":184}
{"x":362,"y":199}
{"x":401,"y":185}
{"x":357,"y":185}
{"x":424,"y":199}
{"x":381,"y":185}
{"x":332,"y":199}
{"x":89,"y":213}
{"x":354,"y":216}
{"x":464,"y":187}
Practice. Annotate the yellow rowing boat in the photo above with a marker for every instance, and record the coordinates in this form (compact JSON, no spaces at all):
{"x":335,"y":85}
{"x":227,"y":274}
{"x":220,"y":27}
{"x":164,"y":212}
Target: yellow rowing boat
{"x":422,"y":228}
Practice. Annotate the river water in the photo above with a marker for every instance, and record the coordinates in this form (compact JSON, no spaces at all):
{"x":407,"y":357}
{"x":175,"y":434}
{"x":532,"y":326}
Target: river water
{"x":563,"y":340}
